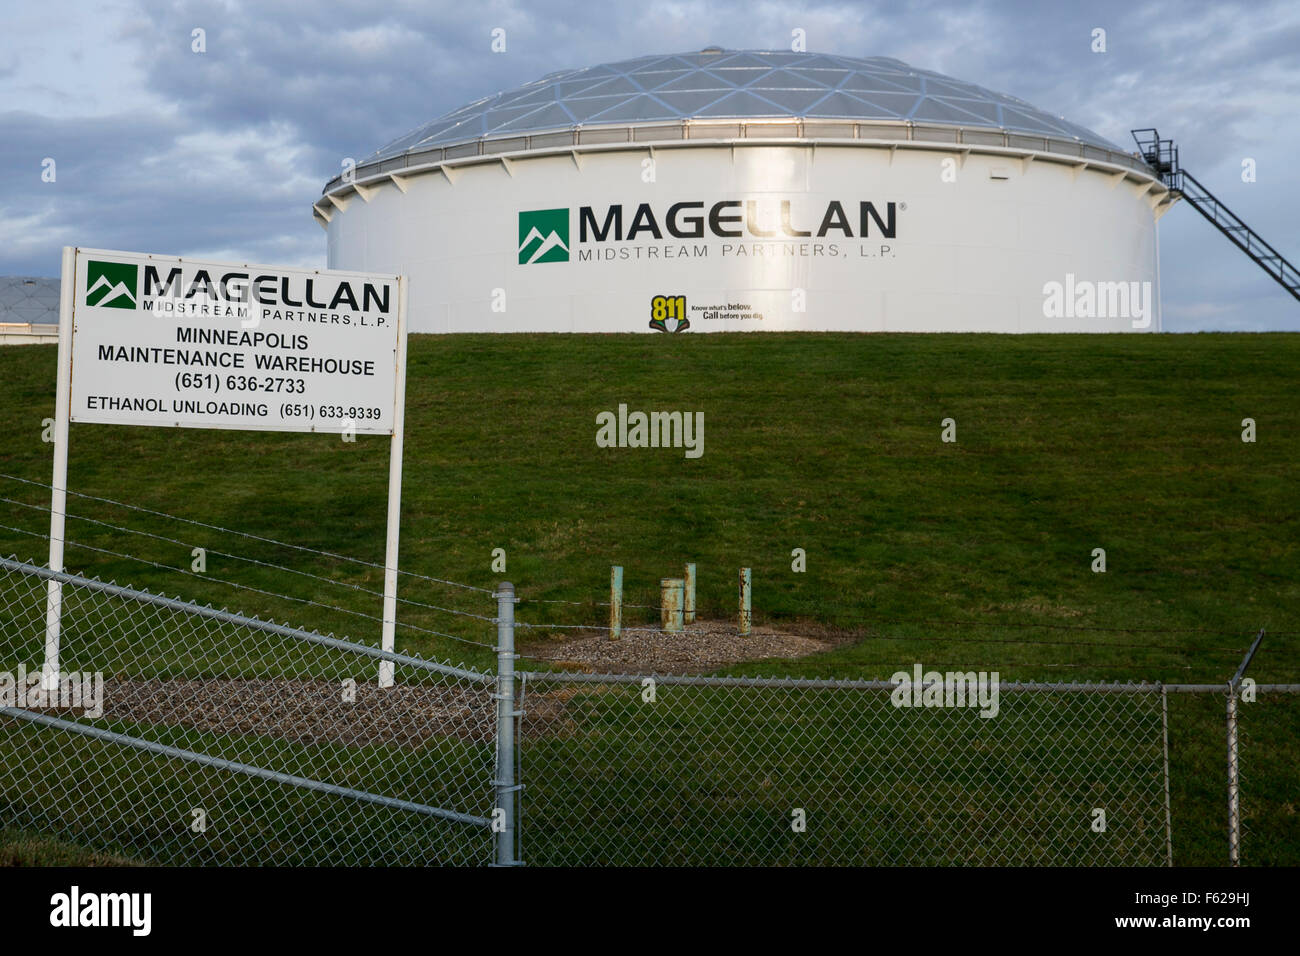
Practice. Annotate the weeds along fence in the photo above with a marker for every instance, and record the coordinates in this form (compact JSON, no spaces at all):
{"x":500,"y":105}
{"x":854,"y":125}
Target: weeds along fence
{"x":225,"y":739}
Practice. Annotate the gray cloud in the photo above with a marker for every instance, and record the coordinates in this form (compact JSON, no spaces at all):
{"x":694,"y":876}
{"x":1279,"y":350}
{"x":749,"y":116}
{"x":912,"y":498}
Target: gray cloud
{"x":222,"y":153}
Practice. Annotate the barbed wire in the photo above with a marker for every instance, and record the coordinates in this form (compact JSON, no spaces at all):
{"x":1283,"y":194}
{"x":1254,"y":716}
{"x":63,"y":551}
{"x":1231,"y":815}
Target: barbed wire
{"x":252,"y":588}
{"x":532,"y":600}
{"x":1041,"y":643}
{"x":625,"y":604}
{"x":245,"y":534}
{"x":735,"y":663}
{"x":1006,"y":625}
{"x":937,"y":640}
{"x":238,"y":557}
{"x":710,"y":662}
{"x":588,"y":627}
{"x":627,"y":628}
{"x":1074,"y":627}
{"x":924,"y":622}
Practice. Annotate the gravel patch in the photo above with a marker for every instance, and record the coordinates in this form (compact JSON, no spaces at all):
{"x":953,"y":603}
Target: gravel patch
{"x":308,"y":712}
{"x":702,"y":646}
{"x":314,"y":712}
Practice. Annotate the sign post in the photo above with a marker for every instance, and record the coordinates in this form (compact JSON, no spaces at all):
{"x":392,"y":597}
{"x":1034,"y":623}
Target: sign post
{"x":170,"y":342}
{"x":59,"y":483}
{"x":394,"y":490}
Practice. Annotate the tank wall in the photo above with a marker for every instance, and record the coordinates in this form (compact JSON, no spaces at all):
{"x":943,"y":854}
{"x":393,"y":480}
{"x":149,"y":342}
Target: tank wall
{"x":969,"y":252}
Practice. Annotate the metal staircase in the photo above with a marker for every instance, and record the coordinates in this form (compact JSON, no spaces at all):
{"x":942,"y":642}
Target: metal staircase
{"x":1162,"y":156}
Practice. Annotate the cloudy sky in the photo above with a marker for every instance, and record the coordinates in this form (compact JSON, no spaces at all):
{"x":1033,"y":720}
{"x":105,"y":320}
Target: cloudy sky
{"x":220,"y":154}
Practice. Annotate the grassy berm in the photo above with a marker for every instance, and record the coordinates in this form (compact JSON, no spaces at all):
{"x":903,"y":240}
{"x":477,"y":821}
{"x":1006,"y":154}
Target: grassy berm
{"x":976,"y":554}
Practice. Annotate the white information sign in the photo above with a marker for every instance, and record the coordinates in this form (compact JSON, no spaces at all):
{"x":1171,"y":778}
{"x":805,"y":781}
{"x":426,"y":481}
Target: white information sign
{"x":159,"y":340}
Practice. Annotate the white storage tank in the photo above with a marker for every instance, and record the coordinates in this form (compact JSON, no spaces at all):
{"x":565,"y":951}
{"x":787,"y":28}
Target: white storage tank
{"x":750,"y":191}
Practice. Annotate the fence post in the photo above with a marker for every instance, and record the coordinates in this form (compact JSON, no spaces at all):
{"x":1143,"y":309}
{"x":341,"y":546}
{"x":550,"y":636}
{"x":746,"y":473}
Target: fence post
{"x":688,"y":607}
{"x":1234,"y":779}
{"x":746,"y":615}
{"x":1164,"y":739}
{"x":615,"y":602}
{"x":1234,"y":790}
{"x":506,"y":787}
{"x":59,"y":484}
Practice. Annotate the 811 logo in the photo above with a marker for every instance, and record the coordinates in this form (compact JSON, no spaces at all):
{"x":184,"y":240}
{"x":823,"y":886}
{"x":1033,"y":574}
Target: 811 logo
{"x":543,"y":236}
{"x":664,"y":308}
{"x":110,"y":285}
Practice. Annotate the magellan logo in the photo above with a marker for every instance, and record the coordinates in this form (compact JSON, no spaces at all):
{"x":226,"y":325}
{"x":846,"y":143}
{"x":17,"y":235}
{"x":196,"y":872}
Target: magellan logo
{"x":544,"y":233}
{"x":110,"y":285}
{"x":735,"y":219}
{"x":544,"y":236}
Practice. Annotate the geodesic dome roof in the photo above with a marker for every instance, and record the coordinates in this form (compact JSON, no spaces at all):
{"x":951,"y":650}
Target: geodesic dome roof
{"x":29,"y":299}
{"x":716,"y":84}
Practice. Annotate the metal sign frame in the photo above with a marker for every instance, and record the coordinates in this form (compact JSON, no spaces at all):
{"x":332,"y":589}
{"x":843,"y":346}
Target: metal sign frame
{"x":59,"y":493}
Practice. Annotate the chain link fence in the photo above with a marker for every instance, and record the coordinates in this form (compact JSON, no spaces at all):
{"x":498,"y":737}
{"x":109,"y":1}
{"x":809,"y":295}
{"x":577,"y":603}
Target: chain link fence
{"x":709,"y":771}
{"x":215,"y":738}
{"x":1269,"y":774}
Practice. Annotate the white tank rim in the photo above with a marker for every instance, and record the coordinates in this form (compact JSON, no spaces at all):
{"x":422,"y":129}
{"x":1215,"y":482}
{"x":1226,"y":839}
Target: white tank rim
{"x":337,"y":198}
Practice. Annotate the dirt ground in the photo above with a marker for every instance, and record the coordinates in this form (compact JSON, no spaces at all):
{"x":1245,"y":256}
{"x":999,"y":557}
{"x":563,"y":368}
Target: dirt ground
{"x":306,"y":711}
{"x":408,"y":715}
{"x":702,"y":646}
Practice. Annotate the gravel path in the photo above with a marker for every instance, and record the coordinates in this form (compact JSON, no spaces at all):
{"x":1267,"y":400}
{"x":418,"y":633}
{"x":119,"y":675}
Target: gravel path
{"x":702,"y":646}
{"x":305,"y":711}
{"x":313,"y":711}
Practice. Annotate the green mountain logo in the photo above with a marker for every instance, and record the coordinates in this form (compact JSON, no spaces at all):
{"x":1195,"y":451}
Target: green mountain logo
{"x":110,"y":285}
{"x":544,"y":236}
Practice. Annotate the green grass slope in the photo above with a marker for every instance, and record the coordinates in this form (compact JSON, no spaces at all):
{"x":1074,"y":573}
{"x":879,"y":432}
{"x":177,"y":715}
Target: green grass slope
{"x":974,"y":555}
{"x":917,"y":549}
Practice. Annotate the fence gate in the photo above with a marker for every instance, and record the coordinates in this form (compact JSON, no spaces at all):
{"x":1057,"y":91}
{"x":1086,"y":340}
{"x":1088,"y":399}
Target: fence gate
{"x":214,"y":738}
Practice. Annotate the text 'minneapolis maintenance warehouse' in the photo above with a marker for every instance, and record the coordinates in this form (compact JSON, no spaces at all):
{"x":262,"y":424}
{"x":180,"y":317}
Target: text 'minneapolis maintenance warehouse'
{"x":750,"y":190}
